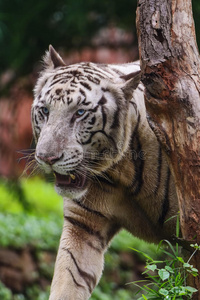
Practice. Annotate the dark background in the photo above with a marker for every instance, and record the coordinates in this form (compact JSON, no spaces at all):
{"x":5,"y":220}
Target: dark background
{"x":28,"y":27}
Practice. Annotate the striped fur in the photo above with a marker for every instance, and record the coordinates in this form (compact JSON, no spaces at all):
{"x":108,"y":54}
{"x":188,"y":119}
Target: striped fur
{"x":91,"y":129}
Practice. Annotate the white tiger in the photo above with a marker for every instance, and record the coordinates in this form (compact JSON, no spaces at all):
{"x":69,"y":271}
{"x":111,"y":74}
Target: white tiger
{"x":91,"y":130}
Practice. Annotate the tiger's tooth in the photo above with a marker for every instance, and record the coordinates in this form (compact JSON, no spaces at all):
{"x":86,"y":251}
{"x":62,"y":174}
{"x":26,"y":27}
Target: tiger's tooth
{"x":73,"y":177}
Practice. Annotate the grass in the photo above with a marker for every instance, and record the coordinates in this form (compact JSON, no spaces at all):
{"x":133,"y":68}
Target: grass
{"x":20,"y":230}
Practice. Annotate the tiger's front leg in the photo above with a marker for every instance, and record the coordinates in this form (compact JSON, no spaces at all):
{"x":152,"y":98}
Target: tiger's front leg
{"x":86,"y":234}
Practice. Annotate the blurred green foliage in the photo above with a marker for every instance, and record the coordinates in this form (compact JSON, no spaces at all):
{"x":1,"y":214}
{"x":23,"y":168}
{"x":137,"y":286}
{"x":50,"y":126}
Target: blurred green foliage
{"x":28,"y":27}
{"x":32,"y":195}
{"x":32,"y":294}
{"x":196,"y":14}
{"x":20,"y":230}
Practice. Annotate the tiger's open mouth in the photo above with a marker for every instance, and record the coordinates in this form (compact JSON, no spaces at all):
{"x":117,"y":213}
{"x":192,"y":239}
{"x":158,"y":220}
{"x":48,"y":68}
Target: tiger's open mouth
{"x":71,"y":180}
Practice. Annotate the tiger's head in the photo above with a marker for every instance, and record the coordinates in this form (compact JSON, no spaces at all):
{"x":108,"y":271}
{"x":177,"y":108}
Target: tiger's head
{"x":79,"y":119}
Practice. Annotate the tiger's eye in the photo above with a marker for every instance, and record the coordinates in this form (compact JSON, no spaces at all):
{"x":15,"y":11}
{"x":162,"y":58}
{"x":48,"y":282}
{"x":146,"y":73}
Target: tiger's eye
{"x":80,"y":112}
{"x":45,"y":110}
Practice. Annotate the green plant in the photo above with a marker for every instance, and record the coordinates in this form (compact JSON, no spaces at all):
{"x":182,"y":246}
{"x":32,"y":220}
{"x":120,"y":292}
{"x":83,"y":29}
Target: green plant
{"x":21,"y":230}
{"x":39,"y":196}
{"x":5,"y":293}
{"x":166,"y":279}
{"x":28,"y":27}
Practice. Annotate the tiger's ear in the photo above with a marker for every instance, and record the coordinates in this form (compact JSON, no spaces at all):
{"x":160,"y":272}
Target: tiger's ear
{"x":52,"y":59}
{"x":131,"y":83}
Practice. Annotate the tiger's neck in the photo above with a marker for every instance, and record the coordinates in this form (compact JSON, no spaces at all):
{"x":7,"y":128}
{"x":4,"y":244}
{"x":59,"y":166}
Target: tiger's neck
{"x":141,"y":157}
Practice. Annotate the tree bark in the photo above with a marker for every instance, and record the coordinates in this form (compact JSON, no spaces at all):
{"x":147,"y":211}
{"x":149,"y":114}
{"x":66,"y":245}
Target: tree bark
{"x":171,"y":74}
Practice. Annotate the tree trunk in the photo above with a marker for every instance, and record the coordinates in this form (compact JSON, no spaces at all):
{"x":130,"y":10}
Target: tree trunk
{"x":171,"y":74}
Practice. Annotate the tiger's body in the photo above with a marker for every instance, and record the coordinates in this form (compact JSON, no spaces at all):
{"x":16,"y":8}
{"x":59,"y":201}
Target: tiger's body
{"x":91,"y":129}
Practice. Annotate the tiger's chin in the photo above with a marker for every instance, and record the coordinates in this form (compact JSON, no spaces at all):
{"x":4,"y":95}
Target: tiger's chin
{"x":70,"y":185}
{"x":70,"y":193}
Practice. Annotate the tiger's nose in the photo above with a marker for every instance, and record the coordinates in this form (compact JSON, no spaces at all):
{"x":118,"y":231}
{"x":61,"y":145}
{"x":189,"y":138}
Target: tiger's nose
{"x":49,"y":159}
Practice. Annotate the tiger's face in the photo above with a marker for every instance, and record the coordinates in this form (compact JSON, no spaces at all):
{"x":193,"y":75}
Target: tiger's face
{"x":78,"y":119}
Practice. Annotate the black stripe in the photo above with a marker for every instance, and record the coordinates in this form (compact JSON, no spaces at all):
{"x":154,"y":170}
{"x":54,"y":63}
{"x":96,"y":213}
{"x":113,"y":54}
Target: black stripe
{"x":63,"y":81}
{"x":139,"y":168}
{"x":87,"y":229}
{"x":165,"y":206}
{"x":75,"y":73}
{"x":73,"y":84}
{"x":138,"y":163}
{"x":35,"y":118}
{"x":104,"y":117}
{"x":93,"y":120}
{"x":105,"y":89}
{"x":102,"y":101}
{"x":88,"y":70}
{"x":85,"y":118}
{"x":67,"y":74}
{"x":85,"y":103}
{"x":141,"y":89}
{"x":74,"y":280}
{"x":40,"y":115}
{"x":89,"y":279}
{"x":117,"y":71}
{"x":37,"y":128}
{"x":47,"y":93}
{"x":93,"y":247}
{"x":86,"y":85}
{"x":159,"y":169}
{"x":103,"y":132}
{"x":70,"y":163}
{"x":96,"y":70}
{"x":54,"y":82}
{"x":51,"y":99}
{"x":105,"y":179}
{"x":69,"y":158}
{"x":136,"y":126}
{"x":97,"y":213}
{"x":82,"y":92}
{"x":69,"y":100}
{"x":78,"y":100}
{"x":115,"y":122}
{"x":93,"y":79}
{"x":135,"y":106}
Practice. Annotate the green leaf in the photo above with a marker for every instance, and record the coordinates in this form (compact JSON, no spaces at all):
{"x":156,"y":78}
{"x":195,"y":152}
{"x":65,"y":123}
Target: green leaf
{"x":191,"y":289}
{"x":169,"y":269}
{"x":143,"y":253}
{"x":150,"y":296}
{"x":171,"y":247}
{"x":163,"y":292}
{"x":180,"y":259}
{"x":151,"y":267}
{"x":164,"y":274}
{"x":186,"y":265}
{"x":194,"y":270}
{"x":196,"y":246}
